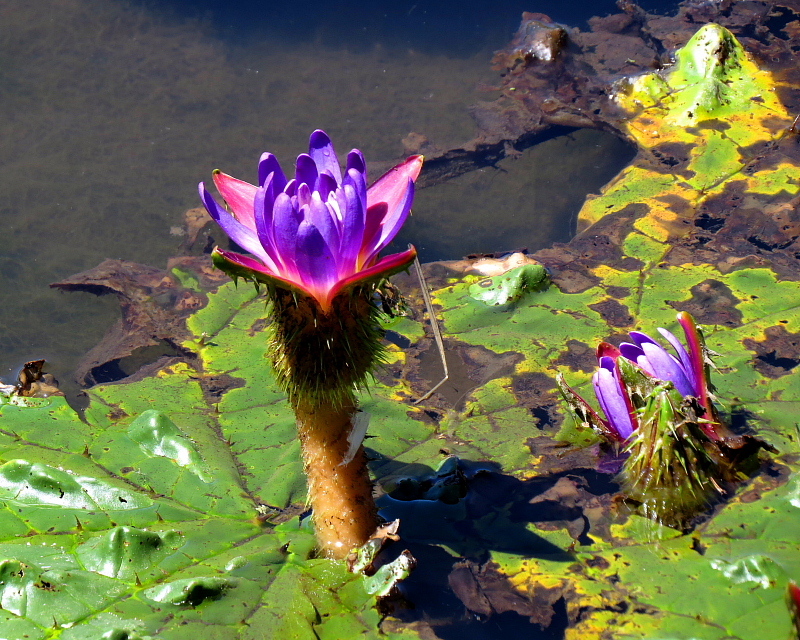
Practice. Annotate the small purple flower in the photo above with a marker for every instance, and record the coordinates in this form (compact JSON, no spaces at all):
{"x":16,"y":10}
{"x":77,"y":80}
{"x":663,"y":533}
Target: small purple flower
{"x":319,"y":232}
{"x":673,"y":454}
{"x":615,"y":380}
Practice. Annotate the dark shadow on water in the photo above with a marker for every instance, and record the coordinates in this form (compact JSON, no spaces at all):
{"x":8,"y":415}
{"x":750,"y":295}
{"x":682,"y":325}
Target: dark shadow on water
{"x":471,"y":509}
{"x":506,"y":625}
{"x":428,"y":597}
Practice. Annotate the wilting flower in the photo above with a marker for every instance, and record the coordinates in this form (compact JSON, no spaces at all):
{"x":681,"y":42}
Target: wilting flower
{"x":319,"y":232}
{"x":628,"y":376}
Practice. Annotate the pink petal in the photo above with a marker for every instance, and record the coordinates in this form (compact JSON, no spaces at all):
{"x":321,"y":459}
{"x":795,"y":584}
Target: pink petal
{"x":259,"y":271}
{"x":391,"y":186}
{"x":387,"y":266}
{"x":606,"y":349}
{"x":235,"y":230}
{"x":388,"y":204}
{"x":239,"y":196}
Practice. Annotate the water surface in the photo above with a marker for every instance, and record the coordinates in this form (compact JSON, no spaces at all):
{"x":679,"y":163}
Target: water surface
{"x":113,"y":111}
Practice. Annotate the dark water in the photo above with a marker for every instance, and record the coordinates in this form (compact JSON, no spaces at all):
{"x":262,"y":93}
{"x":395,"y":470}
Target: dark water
{"x":114,"y":110}
{"x":449,"y":27}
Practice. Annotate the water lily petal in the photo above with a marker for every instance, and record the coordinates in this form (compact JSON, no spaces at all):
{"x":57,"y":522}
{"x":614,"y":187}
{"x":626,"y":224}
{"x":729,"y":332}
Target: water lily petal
{"x":321,"y":151}
{"x":639,"y":337}
{"x":382,"y":269}
{"x":358,"y":181}
{"x":306,"y":171}
{"x":607,"y":349}
{"x":325,"y":185}
{"x":697,"y":354}
{"x":316,"y":264}
{"x":245,"y":237}
{"x":665,"y":366}
{"x":325,"y":222}
{"x":391,"y":186}
{"x":291,"y":188}
{"x":396,"y":190}
{"x":238,"y":195}
{"x":685,"y":359}
{"x":303,"y":197}
{"x":352,"y":231}
{"x":246,"y":262}
{"x":245,"y":266}
{"x":268,"y":164}
{"x":635,"y":354}
{"x":285,"y":222}
{"x":393,"y":220}
{"x":263,"y":208}
{"x":611,"y":396}
{"x":355,"y":160}
{"x":373,"y":220}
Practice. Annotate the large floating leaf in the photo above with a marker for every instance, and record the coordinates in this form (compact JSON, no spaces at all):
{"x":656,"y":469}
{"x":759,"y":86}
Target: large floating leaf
{"x":170,"y":511}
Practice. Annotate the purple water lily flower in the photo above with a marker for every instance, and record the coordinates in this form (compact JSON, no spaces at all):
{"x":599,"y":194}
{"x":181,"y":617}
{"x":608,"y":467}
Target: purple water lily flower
{"x":645,"y":359}
{"x":319,"y":232}
{"x":685,"y":369}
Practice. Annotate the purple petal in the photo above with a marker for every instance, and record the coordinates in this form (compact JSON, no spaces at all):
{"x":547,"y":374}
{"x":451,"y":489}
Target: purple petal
{"x":667,"y":367}
{"x":355,"y":160}
{"x":635,"y":354}
{"x":303,"y":195}
{"x":322,"y":153}
{"x":631,"y":351}
{"x":262,"y":212}
{"x":640,"y":338}
{"x":352,"y":231}
{"x":291,"y":188}
{"x":268,"y":164}
{"x":285,"y":222}
{"x":316,"y":265}
{"x":306,"y":171}
{"x":235,"y":230}
{"x":611,"y":397}
{"x":359,"y":183}
{"x":326,"y":184}
{"x":683,"y":356}
{"x":322,"y":218}
{"x":270,"y":193}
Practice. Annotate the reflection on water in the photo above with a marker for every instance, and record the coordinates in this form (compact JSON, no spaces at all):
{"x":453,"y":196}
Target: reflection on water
{"x":113,"y":111}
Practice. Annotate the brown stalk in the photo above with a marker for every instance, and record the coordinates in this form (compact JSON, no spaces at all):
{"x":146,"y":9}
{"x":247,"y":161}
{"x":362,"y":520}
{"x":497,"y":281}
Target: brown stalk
{"x":344,"y":511}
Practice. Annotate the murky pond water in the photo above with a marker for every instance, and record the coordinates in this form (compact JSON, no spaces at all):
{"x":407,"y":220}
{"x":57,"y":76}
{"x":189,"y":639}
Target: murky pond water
{"x":113,"y":111}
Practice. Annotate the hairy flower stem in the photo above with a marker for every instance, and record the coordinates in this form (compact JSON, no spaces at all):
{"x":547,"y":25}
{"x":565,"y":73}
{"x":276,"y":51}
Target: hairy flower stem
{"x":320,"y":360}
{"x":344,"y":512}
